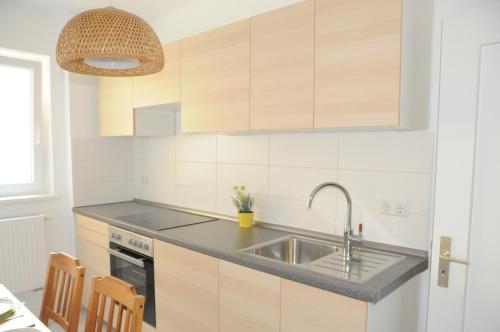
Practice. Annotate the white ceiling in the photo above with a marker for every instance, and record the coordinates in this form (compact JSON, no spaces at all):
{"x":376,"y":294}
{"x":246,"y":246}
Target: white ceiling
{"x":147,"y":9}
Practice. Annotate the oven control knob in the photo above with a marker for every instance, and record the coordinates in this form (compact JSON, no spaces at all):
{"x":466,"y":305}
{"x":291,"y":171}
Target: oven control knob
{"x":146,"y":246}
{"x":135,"y":243}
{"x":118,"y":237}
{"x":113,"y":235}
{"x":140,"y":244}
{"x":130,"y":241}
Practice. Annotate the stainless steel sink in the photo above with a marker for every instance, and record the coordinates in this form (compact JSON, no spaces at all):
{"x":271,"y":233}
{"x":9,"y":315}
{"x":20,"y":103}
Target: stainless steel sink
{"x":325,"y":257}
{"x":293,"y":250}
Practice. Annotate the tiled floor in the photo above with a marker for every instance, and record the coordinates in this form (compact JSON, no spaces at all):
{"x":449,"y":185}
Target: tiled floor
{"x":33,"y":300}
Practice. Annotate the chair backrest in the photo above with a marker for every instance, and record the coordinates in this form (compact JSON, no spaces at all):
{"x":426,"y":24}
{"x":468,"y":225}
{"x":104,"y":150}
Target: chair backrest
{"x":62,"y":296}
{"x":115,"y":301}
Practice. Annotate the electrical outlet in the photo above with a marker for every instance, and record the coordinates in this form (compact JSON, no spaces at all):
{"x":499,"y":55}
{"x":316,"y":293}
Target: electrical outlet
{"x":401,"y":209}
{"x":394,"y":208}
{"x":386,"y":207}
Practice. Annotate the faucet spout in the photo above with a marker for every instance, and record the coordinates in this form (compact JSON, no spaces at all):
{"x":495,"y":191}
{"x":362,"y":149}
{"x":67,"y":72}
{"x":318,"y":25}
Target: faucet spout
{"x":349,"y":236}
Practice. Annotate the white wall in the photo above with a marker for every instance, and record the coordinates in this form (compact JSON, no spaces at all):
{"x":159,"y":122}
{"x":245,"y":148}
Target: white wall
{"x":202,"y":15}
{"x":28,"y":28}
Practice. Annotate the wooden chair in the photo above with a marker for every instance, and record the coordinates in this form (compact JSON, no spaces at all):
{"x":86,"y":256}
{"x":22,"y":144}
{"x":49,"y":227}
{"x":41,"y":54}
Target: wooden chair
{"x":122,"y":297}
{"x":62,"y":296}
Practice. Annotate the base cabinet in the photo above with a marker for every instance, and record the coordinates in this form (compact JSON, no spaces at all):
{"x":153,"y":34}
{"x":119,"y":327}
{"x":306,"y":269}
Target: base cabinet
{"x":249,"y":299}
{"x":186,"y":290}
{"x":305,"y":308}
{"x":92,"y":251}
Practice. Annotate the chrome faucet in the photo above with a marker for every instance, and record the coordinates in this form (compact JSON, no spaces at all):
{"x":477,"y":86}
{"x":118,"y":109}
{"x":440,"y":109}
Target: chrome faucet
{"x":349,"y":236}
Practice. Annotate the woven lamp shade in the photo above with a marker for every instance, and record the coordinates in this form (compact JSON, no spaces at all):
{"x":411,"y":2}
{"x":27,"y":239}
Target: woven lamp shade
{"x":109,"y":42}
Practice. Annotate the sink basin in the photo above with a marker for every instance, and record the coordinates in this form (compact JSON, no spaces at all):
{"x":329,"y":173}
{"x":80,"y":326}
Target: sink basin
{"x":326,"y":257}
{"x":293,"y":250}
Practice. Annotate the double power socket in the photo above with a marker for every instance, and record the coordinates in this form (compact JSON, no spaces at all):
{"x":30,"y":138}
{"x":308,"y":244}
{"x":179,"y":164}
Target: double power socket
{"x":394,"y":208}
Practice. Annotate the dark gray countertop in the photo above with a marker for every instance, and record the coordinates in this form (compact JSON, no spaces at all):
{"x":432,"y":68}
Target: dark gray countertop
{"x":223,"y":239}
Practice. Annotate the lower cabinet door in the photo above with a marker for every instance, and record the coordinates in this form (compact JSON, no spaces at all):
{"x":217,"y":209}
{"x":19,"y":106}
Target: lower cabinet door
{"x":95,"y":259}
{"x":187,"y":290}
{"x":249,"y":299}
{"x":305,"y":308}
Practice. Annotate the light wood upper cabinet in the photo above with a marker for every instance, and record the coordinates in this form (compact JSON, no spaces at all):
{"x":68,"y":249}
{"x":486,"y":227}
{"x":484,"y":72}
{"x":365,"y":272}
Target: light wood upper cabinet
{"x":249,"y":299}
{"x":358,"y":60}
{"x":282,"y":68}
{"x":216,"y":80}
{"x":116,"y":109}
{"x":305,"y":308}
{"x":163,"y":87}
{"x":187,"y":290}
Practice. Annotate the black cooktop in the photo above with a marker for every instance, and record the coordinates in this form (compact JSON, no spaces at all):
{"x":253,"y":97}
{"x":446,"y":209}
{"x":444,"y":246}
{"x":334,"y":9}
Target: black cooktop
{"x":164,"y":219}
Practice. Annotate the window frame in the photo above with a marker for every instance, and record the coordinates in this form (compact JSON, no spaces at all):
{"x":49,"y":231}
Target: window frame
{"x":40,"y":121}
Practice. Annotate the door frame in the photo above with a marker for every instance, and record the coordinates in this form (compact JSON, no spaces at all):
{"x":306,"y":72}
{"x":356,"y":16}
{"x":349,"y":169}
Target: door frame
{"x":462,"y":38}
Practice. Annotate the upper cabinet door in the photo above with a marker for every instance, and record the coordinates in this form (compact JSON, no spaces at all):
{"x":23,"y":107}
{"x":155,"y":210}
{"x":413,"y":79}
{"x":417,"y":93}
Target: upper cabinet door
{"x":282,"y":68}
{"x":358,"y":60}
{"x":116,"y":109}
{"x":216,"y":80}
{"x":163,"y":87}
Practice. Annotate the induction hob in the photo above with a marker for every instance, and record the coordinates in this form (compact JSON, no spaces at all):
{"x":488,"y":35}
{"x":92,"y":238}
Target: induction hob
{"x":164,"y":219}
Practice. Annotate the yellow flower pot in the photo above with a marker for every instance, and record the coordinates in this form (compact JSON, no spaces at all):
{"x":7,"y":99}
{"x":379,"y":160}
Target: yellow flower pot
{"x":245,"y":219}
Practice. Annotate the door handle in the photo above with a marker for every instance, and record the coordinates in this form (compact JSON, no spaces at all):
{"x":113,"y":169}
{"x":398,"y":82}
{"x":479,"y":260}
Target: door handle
{"x":446,"y":256}
{"x":445,"y":259}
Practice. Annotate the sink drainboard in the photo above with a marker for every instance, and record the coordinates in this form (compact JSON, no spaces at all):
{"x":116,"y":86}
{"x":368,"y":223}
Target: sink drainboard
{"x":365,"y":264}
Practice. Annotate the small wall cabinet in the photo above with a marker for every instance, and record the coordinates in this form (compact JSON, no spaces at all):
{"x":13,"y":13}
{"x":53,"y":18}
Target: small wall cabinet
{"x":116,"y":110}
{"x":163,"y":87}
{"x":131,"y":106}
{"x":216,"y":80}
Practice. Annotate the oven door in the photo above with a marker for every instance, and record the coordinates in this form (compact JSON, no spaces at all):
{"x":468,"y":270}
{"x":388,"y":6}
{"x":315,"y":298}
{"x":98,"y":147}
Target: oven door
{"x":138,"y":270}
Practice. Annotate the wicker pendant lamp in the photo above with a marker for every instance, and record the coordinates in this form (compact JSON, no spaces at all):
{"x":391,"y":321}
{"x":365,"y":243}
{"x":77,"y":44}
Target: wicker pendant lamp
{"x":109,"y":42}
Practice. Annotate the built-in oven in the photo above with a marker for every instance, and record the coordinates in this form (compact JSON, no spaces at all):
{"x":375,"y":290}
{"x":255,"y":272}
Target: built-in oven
{"x":131,"y":258}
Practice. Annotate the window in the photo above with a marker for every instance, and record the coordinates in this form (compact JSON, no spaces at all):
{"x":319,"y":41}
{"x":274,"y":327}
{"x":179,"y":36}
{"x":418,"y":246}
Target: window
{"x":23,"y":156}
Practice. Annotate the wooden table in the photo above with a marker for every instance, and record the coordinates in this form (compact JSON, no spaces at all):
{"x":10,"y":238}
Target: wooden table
{"x":27,"y":319}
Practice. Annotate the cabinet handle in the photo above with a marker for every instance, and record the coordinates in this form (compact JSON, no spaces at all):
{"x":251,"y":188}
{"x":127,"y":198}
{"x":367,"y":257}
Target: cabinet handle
{"x":127,"y":258}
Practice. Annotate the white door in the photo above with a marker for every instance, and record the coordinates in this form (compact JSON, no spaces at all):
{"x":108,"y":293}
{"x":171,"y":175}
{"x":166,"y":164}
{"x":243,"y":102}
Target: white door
{"x":467,"y":201}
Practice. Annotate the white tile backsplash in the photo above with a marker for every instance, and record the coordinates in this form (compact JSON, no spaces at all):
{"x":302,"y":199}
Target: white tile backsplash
{"x":197,"y":198}
{"x":198,"y":175}
{"x":369,"y":188}
{"x":103,"y":170}
{"x":95,"y":171}
{"x":386,"y":151}
{"x":159,"y":148}
{"x":297,"y":183}
{"x":282,"y":169}
{"x":293,"y":213}
{"x":248,"y":150}
{"x":254,"y":177}
{"x":196,"y":148}
{"x":304,"y":150}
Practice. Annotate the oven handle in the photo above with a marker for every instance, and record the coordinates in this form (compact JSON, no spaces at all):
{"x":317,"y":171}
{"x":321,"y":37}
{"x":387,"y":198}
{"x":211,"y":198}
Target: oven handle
{"x":127,"y":258}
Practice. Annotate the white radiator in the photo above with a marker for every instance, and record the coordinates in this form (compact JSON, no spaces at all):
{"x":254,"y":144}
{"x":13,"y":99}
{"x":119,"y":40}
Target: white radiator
{"x":23,"y":259}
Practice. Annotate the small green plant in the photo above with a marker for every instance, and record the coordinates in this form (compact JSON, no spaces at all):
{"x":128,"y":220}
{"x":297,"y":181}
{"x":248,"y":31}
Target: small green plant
{"x":243,"y":201}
